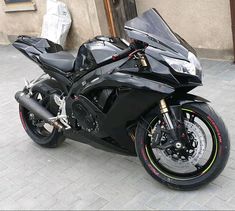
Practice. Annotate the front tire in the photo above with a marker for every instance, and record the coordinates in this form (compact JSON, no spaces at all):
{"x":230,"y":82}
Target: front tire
{"x":220,"y":146}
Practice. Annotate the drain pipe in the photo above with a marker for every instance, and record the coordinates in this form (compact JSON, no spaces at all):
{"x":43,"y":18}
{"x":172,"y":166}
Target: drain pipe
{"x":232,"y":8}
{"x":108,"y":9}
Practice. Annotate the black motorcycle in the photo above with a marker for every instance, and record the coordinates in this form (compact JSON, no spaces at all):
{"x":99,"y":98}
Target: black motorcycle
{"x":130,"y":98}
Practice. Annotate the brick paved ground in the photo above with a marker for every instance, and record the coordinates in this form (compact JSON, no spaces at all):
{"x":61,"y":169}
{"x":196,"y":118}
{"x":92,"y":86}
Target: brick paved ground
{"x":76,"y":176}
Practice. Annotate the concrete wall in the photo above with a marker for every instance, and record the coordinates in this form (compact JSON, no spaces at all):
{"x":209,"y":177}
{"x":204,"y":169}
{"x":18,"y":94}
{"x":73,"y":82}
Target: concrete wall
{"x":22,"y":22}
{"x":87,"y":21}
{"x":203,"y":23}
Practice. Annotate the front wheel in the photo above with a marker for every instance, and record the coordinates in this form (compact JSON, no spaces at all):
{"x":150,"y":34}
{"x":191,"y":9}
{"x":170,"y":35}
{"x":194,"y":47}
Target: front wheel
{"x":188,"y":168}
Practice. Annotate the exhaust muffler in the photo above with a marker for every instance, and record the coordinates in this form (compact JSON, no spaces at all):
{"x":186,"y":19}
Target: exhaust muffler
{"x":37,"y":109}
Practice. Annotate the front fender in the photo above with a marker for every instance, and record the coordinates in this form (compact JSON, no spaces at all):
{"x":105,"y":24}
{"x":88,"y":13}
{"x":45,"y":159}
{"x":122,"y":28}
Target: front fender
{"x":188,"y":98}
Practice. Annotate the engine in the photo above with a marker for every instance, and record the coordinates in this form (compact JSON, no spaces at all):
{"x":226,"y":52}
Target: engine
{"x":84,"y":117}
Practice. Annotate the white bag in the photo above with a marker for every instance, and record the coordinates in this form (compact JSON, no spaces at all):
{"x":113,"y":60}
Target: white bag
{"x":56,"y":22}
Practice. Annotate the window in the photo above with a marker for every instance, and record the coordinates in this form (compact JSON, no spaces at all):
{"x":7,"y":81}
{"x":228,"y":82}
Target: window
{"x":18,"y":5}
{"x":15,"y":1}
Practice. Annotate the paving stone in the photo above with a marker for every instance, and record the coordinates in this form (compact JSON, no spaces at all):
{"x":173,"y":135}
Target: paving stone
{"x":161,"y":200}
{"x":193,"y":206}
{"x":72,"y":193}
{"x":106,"y":192}
{"x":138,"y":202}
{"x":9,"y":204}
{"x":87,"y":199}
{"x":120,"y":200}
{"x":216,"y":203}
{"x":97,"y":204}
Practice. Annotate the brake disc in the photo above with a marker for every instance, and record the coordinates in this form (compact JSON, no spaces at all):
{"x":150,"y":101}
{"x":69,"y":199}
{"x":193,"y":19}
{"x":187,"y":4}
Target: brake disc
{"x":200,"y":143}
{"x":200,"y":138}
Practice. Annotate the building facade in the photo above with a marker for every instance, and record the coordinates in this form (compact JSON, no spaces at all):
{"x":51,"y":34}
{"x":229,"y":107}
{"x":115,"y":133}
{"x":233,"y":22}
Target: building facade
{"x":205,"y":24}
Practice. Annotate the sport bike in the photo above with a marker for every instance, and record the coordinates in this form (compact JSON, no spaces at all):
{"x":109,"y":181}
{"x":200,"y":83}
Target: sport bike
{"x":128,"y":97}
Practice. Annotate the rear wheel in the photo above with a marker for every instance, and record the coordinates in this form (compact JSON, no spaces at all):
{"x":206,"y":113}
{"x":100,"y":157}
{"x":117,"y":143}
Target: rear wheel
{"x":199,"y":162}
{"x":40,"y":132}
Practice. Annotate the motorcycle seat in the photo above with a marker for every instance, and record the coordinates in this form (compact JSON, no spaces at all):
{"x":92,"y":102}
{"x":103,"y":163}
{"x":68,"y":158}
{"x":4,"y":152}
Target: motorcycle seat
{"x":61,"y":60}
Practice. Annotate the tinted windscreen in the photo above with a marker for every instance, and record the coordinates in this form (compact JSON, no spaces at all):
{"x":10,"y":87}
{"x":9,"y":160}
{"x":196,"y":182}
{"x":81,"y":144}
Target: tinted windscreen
{"x":152,"y":23}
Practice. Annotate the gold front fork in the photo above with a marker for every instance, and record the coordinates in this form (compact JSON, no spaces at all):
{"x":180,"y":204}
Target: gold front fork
{"x":165,"y":113}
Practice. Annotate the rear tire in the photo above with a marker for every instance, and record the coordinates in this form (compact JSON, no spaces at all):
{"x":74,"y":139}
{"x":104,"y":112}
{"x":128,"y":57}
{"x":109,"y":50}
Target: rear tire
{"x":51,"y":139}
{"x":180,"y":182}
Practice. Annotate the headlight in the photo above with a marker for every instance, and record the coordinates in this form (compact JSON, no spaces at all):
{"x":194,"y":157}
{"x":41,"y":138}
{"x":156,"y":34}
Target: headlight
{"x":193,"y":67}
{"x":194,"y":60}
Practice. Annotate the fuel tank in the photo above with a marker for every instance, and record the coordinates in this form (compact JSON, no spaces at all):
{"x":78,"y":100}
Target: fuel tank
{"x":97,"y":50}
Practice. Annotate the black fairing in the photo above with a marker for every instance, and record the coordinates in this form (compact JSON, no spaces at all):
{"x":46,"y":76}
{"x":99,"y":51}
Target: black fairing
{"x":113,"y":123}
{"x":32,"y":47}
{"x":160,"y":68}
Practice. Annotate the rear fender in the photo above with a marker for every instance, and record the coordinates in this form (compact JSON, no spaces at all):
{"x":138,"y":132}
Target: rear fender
{"x":47,"y":87}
